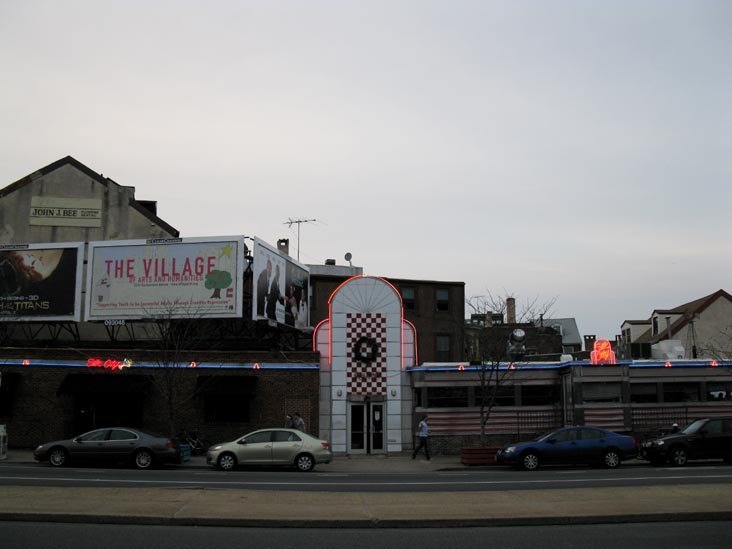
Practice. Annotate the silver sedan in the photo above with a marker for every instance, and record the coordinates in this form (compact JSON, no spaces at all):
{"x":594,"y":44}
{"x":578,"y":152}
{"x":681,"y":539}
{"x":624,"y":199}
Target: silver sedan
{"x":271,"y":447}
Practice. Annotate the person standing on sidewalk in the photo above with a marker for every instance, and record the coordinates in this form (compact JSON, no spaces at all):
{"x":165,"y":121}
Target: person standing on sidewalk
{"x":424,"y":439}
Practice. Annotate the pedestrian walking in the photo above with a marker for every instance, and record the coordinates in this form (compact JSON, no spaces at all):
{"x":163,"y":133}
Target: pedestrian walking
{"x":423,"y":434}
{"x":298,"y":422}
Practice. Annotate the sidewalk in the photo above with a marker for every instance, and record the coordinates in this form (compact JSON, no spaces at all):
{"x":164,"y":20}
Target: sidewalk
{"x":269,"y":508}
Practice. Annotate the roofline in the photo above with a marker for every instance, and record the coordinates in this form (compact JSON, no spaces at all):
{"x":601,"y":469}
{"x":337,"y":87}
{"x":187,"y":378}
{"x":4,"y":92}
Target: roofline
{"x":22,"y":182}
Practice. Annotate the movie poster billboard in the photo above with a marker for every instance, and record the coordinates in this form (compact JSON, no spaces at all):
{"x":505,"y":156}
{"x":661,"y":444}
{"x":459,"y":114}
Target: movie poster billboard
{"x":41,"y":282}
{"x":281,"y":287}
{"x":171,"y":278}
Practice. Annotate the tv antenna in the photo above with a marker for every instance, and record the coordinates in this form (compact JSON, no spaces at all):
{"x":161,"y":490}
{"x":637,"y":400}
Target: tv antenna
{"x":290,"y":222}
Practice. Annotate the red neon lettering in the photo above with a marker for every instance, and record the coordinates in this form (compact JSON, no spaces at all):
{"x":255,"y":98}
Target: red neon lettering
{"x":603,"y":353}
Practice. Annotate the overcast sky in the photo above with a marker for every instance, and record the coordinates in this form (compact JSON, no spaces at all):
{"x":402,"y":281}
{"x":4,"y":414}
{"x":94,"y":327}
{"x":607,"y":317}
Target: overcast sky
{"x":572,"y":149}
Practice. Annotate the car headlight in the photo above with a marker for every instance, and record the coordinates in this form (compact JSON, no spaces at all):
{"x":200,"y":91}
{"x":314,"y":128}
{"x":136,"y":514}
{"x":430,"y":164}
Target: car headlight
{"x":509,"y":450}
{"x":214,"y":448}
{"x":660,"y":442}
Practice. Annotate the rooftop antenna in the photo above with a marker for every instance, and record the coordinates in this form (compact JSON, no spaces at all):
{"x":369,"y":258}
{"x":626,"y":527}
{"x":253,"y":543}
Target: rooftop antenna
{"x":290,"y":222}
{"x":348,"y":258}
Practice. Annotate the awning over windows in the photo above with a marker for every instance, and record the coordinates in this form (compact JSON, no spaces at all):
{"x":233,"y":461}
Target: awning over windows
{"x":226,"y":385}
{"x":74,"y":384}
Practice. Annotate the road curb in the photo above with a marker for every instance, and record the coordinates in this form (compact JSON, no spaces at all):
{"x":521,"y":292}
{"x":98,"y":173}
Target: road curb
{"x":364,"y":523}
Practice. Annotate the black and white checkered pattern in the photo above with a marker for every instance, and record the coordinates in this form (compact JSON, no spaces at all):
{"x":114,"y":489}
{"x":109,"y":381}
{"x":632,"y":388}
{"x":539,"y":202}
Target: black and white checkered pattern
{"x":364,"y":378}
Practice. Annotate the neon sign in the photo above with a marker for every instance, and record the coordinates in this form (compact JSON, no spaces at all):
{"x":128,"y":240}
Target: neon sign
{"x":108,"y":364}
{"x":602,"y":353}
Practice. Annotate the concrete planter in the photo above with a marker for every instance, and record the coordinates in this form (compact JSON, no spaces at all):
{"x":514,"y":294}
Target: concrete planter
{"x":478,"y":455}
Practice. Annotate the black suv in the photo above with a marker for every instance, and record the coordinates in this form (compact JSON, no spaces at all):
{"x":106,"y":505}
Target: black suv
{"x":707,"y":438}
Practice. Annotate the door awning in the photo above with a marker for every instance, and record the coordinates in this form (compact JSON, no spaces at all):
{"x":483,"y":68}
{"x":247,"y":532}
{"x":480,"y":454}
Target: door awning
{"x":74,"y":384}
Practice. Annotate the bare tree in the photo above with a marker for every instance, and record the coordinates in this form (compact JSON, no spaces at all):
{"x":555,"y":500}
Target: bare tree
{"x":498,"y":346}
{"x":719,"y":347}
{"x":176,"y":340}
{"x":530,"y":310}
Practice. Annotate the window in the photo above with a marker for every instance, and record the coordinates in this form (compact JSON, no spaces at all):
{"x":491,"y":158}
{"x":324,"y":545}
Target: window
{"x":680,"y":392}
{"x":442,"y":299}
{"x":565,"y":435}
{"x":217,"y":407}
{"x":719,"y":391}
{"x":101,"y":434}
{"x":655,"y":325}
{"x":643,"y":392}
{"x":408,"y":298}
{"x":713,"y":427}
{"x":504,"y":396}
{"x":442,"y":348}
{"x":539,"y":395}
{"x":284,"y":436}
{"x":447,"y":397}
{"x":601,"y":392}
{"x":264,"y":436}
{"x":122,"y":434}
{"x":589,"y":434}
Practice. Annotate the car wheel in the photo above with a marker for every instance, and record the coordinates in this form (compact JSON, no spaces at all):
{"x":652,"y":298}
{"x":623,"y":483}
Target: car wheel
{"x":58,"y":457}
{"x":678,"y":456}
{"x":611,"y":459}
{"x":304,"y":463}
{"x":530,"y":461}
{"x":144,"y":459}
{"x":226,"y":461}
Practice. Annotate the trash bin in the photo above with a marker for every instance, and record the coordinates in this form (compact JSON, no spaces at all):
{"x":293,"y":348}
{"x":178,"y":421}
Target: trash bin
{"x":3,"y":442}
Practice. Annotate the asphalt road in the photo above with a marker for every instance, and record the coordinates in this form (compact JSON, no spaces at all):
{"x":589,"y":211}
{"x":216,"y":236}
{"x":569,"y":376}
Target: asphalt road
{"x":37,"y":535}
{"x":463,"y":480}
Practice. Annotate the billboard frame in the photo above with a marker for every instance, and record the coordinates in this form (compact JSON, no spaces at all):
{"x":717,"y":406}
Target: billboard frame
{"x":79,"y":273}
{"x":90,"y":315}
{"x":296,"y":276}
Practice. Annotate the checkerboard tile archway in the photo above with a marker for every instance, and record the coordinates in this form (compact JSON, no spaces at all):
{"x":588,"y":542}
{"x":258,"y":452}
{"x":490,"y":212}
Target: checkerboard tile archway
{"x":366,"y":378}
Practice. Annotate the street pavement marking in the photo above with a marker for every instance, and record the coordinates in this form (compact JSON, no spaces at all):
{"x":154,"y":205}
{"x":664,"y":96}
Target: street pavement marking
{"x":412,"y":483}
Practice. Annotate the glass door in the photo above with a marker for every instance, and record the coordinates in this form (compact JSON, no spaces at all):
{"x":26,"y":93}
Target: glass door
{"x":366,"y":424}
{"x":357,"y":434}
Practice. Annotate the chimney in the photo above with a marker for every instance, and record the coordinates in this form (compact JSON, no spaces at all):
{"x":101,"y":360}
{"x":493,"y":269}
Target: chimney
{"x":590,"y":342}
{"x":511,"y":310}
{"x":330,"y":262}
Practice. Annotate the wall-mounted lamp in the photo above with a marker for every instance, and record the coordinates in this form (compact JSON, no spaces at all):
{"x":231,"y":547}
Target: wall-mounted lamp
{"x":339,"y":392}
{"x":393,"y":392}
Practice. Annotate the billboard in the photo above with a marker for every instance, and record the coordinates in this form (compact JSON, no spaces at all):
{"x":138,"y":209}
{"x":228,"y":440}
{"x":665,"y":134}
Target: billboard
{"x":172,"y":278}
{"x":41,"y":282}
{"x":281,"y":287}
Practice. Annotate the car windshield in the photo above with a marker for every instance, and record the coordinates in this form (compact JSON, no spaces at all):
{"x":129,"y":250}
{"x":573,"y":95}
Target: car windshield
{"x":693,"y":427}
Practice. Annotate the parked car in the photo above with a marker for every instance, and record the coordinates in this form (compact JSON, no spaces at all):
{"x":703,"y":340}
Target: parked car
{"x":271,"y":447}
{"x":113,"y":445}
{"x":589,"y":445}
{"x":708,"y":438}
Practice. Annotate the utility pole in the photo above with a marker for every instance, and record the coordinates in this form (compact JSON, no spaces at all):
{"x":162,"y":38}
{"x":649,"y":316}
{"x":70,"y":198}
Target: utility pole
{"x":290,"y":222}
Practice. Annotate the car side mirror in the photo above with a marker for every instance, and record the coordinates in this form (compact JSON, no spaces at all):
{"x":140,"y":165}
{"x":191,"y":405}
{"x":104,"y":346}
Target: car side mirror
{"x":241,"y":441}
{"x":703,"y":432}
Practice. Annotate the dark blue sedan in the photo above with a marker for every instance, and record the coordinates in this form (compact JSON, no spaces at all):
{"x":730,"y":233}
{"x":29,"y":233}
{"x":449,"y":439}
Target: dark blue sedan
{"x":572,"y":445}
